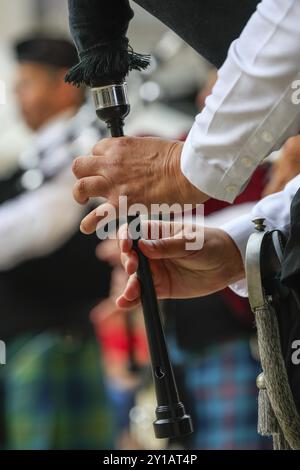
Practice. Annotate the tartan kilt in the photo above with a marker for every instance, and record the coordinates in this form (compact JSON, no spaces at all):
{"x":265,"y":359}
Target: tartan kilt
{"x":54,"y":394}
{"x":221,"y":384}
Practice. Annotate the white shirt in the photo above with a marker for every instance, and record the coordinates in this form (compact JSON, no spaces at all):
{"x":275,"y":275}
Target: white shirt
{"x":40,"y":221}
{"x":275,"y":209}
{"x":253,"y":108}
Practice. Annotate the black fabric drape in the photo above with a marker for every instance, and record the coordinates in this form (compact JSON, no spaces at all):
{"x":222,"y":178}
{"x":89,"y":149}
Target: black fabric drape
{"x":94,"y":22}
{"x":99,"y":29}
{"x":291,"y":265}
{"x":209,"y":26}
{"x":289,"y":311}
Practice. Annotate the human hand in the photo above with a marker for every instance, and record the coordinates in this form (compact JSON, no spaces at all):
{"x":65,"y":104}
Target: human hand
{"x":108,"y":251}
{"x":177,"y":272}
{"x":146,"y":170}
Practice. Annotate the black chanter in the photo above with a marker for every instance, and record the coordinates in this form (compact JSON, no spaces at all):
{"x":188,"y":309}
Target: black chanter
{"x":103,"y":66}
{"x":112,"y":106}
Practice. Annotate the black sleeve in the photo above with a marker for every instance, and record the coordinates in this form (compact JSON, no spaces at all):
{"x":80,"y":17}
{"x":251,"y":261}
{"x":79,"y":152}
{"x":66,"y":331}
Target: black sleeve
{"x":96,"y":22}
{"x":99,"y":30}
{"x":209,"y":26}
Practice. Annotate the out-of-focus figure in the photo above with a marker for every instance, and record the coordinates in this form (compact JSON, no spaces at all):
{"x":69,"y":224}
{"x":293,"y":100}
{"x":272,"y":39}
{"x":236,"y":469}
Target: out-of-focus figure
{"x":52,"y":390}
{"x":125,"y":351}
{"x":213,"y":346}
{"x":285,"y":167}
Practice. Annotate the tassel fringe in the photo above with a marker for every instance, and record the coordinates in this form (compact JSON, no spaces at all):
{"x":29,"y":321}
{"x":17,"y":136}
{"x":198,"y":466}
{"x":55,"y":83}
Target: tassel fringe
{"x":106,"y":62}
{"x":267,"y":422}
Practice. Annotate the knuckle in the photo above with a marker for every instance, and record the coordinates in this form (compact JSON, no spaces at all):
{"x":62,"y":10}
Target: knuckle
{"x":95,"y":149}
{"x":126,"y":140}
{"x":102,"y":145}
{"x":76,"y":165}
{"x":123,"y":191}
{"x":117,"y":147}
{"x":121,"y":144}
{"x":81,"y":187}
{"x":114,"y":148}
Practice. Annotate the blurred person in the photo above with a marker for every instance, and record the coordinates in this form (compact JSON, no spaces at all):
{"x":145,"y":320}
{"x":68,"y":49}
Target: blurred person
{"x":239,"y":125}
{"x":250,"y":113}
{"x":214,"y":357}
{"x":212,"y":340}
{"x":285,"y":167}
{"x":53,"y":391}
{"x":124,"y":347}
{"x":220,"y":263}
{"x":216,"y":348}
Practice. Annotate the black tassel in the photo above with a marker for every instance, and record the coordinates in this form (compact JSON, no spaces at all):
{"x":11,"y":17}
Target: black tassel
{"x":106,"y":62}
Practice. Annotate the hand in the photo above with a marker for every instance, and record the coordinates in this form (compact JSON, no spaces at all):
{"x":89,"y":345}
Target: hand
{"x":109,"y":252}
{"x":285,"y":168}
{"x":146,"y":170}
{"x":107,"y":308}
{"x":178,"y":273}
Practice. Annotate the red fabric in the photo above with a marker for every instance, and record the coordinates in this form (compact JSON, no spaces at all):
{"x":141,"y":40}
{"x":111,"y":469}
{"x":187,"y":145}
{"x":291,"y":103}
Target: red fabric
{"x":115,"y":342}
{"x":252,"y":193}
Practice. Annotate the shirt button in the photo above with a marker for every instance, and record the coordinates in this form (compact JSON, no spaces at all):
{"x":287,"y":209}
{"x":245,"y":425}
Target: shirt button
{"x":231,"y":189}
{"x":247,"y":162}
{"x":267,"y":136}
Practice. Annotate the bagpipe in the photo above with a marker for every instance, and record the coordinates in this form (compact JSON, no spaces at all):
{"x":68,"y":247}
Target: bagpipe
{"x":99,"y":31}
{"x":273,"y":288}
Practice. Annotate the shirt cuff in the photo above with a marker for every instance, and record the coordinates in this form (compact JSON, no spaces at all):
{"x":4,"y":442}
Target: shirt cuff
{"x":240,"y":230}
{"x":240,"y":288}
{"x":206,"y":174}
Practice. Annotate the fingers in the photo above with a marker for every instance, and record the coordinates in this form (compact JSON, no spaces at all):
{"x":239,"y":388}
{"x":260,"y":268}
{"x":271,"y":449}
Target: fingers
{"x":92,"y":186}
{"x":130,"y":262}
{"x":108,"y":251}
{"x":125,"y":242}
{"x":98,"y":219}
{"x":131,"y":295}
{"x":126,"y":304}
{"x":162,"y":249}
{"x":170,"y":247}
{"x":150,"y":230}
{"x":89,"y":223}
{"x":87,"y":166}
{"x":111,"y":145}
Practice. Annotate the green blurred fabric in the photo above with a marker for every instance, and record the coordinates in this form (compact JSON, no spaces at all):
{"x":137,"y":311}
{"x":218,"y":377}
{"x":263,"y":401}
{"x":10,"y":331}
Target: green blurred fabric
{"x":54,"y":395}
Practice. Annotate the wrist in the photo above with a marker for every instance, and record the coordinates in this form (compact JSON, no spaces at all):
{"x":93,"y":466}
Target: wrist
{"x":186,"y":191}
{"x":225,"y":257}
{"x":233,"y":264}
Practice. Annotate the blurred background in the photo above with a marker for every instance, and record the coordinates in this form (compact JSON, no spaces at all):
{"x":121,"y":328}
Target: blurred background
{"x":146,"y":34}
{"x":77,"y":373}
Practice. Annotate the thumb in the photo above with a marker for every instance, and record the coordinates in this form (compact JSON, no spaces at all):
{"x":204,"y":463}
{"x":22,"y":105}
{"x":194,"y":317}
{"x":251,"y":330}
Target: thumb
{"x":163,"y":248}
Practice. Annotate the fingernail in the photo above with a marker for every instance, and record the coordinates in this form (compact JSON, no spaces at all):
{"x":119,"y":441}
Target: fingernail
{"x":149,"y":244}
{"x":82,"y":230}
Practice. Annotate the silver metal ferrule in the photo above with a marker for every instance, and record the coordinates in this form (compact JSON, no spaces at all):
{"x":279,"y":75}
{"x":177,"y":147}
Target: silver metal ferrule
{"x":110,"y":95}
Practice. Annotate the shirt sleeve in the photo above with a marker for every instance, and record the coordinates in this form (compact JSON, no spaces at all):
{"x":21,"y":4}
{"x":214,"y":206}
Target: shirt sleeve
{"x":275,"y":209}
{"x":254,"y":106}
{"x":37,"y":223}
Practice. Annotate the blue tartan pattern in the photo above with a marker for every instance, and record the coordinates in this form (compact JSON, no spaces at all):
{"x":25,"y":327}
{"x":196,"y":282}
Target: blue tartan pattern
{"x":222,"y":385}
